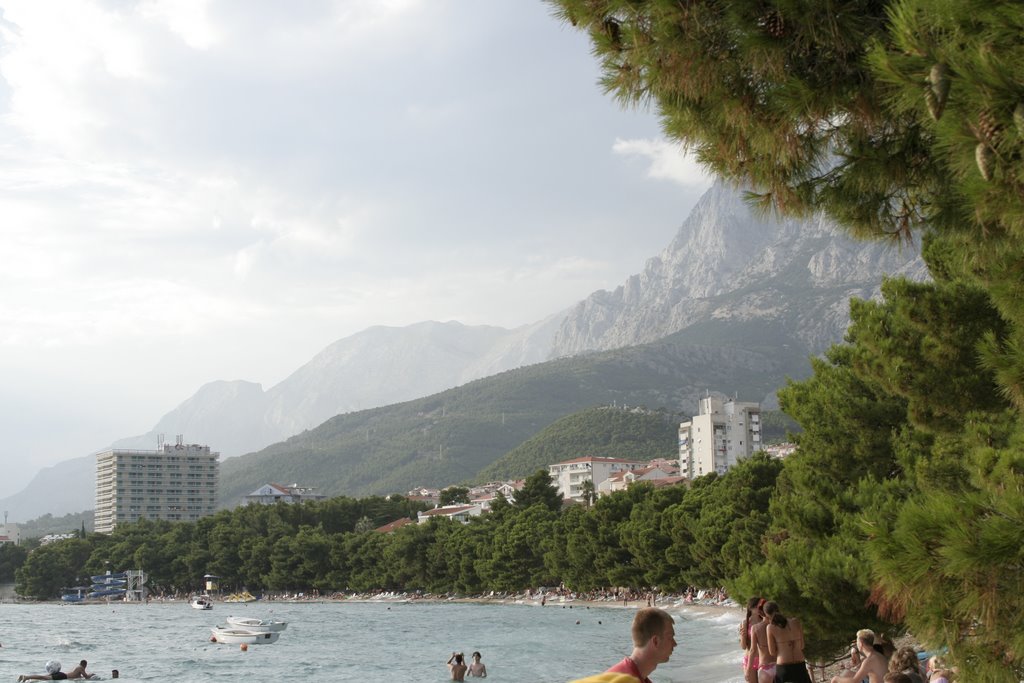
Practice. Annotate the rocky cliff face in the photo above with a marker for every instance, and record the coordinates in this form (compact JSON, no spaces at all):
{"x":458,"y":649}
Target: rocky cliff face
{"x":728,"y":264}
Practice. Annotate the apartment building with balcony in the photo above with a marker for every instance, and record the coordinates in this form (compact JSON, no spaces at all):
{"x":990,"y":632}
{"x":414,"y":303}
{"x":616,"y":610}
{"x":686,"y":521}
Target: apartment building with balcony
{"x":177,"y":483}
{"x":720,"y":435}
{"x":569,"y":476}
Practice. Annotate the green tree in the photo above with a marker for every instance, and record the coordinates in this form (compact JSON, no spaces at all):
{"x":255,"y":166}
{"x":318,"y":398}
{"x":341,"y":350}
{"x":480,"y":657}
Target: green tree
{"x":589,"y":495}
{"x":538,"y":489}
{"x":517,"y":552}
{"x":612,"y":560}
{"x":50,"y":567}
{"x":732,"y":517}
{"x":949,"y":561}
{"x":364,"y":525}
{"x":12,"y":557}
{"x":646,"y":536}
{"x":872,"y":111}
{"x":454,"y":494}
{"x":577,"y":564}
{"x":359,"y":559}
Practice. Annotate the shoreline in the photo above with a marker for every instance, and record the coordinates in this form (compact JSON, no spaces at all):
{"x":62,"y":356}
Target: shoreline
{"x":666,"y":602}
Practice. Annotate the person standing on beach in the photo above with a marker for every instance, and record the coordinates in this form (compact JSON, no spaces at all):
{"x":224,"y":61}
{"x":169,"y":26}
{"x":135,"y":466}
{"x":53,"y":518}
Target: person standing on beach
{"x":759,"y":636}
{"x":654,"y":639}
{"x":750,"y":659}
{"x":786,"y":645}
{"x":873,"y":666}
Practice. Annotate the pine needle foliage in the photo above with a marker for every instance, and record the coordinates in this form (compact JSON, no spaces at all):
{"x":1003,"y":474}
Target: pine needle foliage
{"x":898,"y":119}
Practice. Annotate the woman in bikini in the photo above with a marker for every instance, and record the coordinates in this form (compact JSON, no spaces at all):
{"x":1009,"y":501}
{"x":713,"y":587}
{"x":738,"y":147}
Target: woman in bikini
{"x":750,"y":659}
{"x":786,"y":645}
{"x":759,"y":636}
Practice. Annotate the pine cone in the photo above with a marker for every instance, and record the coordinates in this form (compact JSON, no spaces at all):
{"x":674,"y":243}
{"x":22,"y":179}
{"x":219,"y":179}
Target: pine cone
{"x":1018,"y":118}
{"x":938,"y":91}
{"x":989,"y":128}
{"x":986,"y":160}
{"x":774,"y":25}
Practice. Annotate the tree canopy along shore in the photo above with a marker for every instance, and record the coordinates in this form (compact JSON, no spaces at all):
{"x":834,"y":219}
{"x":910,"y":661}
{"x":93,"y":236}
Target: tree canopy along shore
{"x":900,"y":121}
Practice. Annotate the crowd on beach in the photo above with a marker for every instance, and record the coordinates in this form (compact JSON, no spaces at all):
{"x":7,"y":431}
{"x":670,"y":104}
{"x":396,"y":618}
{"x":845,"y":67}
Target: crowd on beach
{"x":773,"y":652}
{"x":543,"y":594}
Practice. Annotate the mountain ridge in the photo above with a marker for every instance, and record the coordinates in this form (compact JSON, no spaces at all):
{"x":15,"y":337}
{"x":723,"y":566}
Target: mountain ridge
{"x":724,"y":269}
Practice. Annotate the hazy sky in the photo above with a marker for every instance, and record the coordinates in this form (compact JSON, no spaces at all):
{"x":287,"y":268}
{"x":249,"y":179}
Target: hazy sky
{"x":194,"y":190}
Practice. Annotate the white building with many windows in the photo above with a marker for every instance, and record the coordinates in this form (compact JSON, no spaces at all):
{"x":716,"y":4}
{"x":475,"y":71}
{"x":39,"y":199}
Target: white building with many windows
{"x":176,"y":483}
{"x":569,"y":476}
{"x":723,"y":433}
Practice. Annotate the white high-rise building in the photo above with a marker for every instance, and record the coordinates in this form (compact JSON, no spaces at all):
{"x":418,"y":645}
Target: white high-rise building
{"x":718,"y":437}
{"x":176,"y":483}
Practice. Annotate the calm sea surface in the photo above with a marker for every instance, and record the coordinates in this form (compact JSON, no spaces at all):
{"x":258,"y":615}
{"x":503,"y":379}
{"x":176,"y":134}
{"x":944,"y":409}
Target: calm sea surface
{"x":355,"y":641}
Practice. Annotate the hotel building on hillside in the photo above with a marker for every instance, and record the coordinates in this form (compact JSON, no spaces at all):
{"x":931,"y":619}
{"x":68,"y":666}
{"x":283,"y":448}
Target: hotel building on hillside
{"x":569,"y":476}
{"x":723,"y":433}
{"x":177,"y":483}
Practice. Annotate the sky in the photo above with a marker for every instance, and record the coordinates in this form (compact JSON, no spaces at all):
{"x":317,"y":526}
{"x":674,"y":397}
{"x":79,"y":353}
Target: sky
{"x":199,"y":190}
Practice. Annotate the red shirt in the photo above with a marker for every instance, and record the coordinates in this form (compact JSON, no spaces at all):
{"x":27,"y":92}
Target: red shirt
{"x":628,"y":666}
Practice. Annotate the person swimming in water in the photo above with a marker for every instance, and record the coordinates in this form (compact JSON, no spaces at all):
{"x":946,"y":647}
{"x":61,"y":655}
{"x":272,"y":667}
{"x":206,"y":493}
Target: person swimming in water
{"x":457,"y":666}
{"x":476,"y":667}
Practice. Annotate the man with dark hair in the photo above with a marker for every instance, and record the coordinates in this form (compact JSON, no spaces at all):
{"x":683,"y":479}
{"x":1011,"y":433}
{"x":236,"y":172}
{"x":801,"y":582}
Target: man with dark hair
{"x":654,"y":639}
{"x":80,"y":672}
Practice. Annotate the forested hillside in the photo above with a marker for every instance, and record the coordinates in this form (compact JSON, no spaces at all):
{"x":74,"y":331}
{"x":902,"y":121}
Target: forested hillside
{"x":452,"y":436}
{"x":606,"y":432}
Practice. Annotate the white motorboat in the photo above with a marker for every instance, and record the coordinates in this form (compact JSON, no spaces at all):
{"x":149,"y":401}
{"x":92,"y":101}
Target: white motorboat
{"x":254,"y":624}
{"x":201,"y":602}
{"x":237,"y":636}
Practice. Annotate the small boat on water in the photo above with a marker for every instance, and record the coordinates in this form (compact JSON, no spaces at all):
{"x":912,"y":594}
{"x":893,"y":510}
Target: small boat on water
{"x":253,"y":624}
{"x":238,"y":636}
{"x":201,"y":602}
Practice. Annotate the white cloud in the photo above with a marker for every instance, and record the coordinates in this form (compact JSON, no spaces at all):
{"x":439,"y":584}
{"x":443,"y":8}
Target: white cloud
{"x":188,"y":19}
{"x":668,"y":161}
{"x":59,"y":63}
{"x":202,"y":189}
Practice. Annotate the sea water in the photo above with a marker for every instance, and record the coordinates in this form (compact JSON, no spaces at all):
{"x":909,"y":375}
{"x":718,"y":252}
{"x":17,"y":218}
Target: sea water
{"x":357,"y":641}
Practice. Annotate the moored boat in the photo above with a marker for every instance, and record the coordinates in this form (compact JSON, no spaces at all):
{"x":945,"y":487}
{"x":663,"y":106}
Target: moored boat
{"x":237,"y":636}
{"x":200,"y":602}
{"x":254,"y":624}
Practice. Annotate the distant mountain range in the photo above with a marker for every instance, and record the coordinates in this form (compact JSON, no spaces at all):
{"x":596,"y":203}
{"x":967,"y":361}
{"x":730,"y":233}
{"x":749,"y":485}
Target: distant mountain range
{"x":766,"y":289}
{"x":452,"y":436}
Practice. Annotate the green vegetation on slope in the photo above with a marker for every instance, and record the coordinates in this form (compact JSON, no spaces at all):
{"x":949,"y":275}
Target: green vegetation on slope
{"x":48,"y":524}
{"x":451,"y":436}
{"x":606,"y":432}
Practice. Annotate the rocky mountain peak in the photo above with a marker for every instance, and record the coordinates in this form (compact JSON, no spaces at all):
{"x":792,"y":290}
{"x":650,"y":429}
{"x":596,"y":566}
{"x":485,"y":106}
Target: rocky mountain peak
{"x":727,"y":263}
